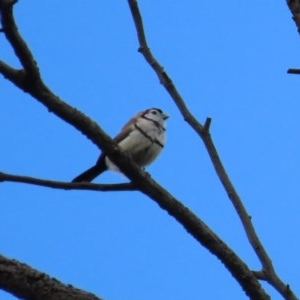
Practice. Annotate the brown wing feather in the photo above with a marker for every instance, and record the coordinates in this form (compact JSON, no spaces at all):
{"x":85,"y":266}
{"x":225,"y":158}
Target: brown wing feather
{"x":100,"y":165}
{"x":128,"y":127}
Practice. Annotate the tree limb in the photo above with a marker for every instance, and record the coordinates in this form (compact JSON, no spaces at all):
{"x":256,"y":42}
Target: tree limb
{"x":25,"y":282}
{"x":294,"y":6}
{"x":11,"y":32}
{"x":12,"y":74}
{"x":68,"y":185}
{"x":293,"y":71}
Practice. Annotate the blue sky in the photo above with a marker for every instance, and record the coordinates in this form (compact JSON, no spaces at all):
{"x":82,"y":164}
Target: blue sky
{"x":229,"y":62}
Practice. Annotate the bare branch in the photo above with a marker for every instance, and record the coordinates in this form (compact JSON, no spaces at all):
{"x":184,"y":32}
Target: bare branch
{"x":293,"y":71}
{"x":68,"y":185}
{"x":12,"y":74}
{"x":159,"y":70}
{"x":203,"y":132}
{"x":294,"y":6}
{"x":260,"y":275}
{"x":20,"y":47}
{"x":237,"y":202}
{"x":207,"y":125}
{"x":26,"y":283}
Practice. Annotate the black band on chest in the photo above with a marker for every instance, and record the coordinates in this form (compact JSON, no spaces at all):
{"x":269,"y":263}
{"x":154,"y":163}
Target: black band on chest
{"x":155,"y":122}
{"x":148,"y":136}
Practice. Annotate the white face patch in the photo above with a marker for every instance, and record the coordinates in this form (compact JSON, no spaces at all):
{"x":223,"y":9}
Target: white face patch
{"x":156,"y":115}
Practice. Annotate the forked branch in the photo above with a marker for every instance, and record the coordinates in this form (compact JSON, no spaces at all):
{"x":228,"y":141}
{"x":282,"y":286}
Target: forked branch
{"x":11,"y":32}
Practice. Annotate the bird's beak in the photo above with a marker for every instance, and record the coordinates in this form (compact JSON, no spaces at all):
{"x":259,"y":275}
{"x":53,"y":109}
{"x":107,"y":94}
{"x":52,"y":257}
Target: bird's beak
{"x":165,"y":117}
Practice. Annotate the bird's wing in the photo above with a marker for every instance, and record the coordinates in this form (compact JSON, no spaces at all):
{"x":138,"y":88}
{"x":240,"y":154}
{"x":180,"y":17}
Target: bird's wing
{"x":127,"y":129}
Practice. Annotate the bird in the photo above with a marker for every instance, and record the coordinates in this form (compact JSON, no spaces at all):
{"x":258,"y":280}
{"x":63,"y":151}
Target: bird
{"x":142,"y":138}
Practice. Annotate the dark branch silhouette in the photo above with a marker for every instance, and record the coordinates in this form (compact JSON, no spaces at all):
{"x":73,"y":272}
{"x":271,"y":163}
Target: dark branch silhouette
{"x":294,"y":6}
{"x":117,"y":187}
{"x":24,"y":282}
{"x":293,"y":71}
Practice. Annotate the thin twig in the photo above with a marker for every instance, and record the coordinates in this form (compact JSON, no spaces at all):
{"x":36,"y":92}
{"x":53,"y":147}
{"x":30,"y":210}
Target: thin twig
{"x":117,"y":187}
{"x":207,"y":125}
{"x":293,"y":71}
{"x":203,"y":132}
{"x":162,"y":75}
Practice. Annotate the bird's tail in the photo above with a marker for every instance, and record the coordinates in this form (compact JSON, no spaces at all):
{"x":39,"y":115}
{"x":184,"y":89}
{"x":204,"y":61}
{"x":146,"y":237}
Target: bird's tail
{"x":92,"y":173}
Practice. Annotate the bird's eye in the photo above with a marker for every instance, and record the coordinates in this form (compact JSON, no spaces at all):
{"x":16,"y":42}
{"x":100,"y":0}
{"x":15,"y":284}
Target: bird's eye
{"x":154,"y":112}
